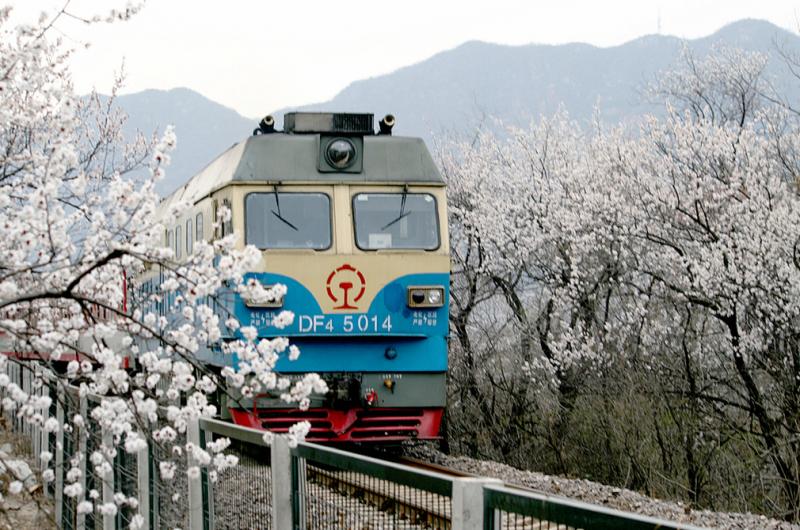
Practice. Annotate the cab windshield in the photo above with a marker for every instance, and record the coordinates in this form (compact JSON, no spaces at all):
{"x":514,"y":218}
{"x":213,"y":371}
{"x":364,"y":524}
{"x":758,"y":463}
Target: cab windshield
{"x":288,"y":220}
{"x":396,"y":220}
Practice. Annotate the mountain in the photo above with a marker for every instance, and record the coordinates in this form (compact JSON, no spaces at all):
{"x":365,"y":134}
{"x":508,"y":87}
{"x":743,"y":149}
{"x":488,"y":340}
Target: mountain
{"x":204,"y":128}
{"x":457,"y":90}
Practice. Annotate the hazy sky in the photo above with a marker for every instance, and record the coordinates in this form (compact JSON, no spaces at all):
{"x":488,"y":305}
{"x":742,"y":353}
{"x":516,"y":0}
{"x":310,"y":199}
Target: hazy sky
{"x":257,"y":56}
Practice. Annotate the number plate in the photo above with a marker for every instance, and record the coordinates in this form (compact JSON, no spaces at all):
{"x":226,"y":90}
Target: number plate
{"x":415,"y":322}
{"x":356,"y":324}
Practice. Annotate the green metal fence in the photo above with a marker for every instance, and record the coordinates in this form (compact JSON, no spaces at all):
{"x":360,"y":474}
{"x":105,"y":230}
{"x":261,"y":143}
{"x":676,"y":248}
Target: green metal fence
{"x":514,"y":509}
{"x":319,"y":487}
{"x":336,"y":489}
{"x":282,"y":487}
{"x":75,"y":445}
{"x":241,"y":497}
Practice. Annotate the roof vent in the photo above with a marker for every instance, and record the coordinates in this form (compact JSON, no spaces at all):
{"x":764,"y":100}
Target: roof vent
{"x":327,"y":122}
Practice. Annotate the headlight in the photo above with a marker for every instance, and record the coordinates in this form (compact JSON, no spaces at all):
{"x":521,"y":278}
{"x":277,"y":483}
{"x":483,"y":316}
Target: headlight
{"x":434,"y":297}
{"x":426,"y":296}
{"x":341,"y":153}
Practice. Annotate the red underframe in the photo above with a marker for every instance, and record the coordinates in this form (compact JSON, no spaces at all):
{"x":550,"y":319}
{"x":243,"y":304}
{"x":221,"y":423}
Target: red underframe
{"x":373,"y":424}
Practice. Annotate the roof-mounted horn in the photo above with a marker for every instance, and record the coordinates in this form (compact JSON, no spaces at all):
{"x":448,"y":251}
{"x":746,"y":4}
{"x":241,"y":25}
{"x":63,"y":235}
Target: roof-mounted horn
{"x":265,"y":126}
{"x":386,"y":124}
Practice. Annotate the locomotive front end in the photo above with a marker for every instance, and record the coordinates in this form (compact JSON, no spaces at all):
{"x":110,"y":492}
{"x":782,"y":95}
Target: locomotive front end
{"x":353,"y":223}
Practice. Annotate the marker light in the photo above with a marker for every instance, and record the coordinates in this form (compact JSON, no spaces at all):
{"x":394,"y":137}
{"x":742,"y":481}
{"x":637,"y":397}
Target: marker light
{"x":426,"y":296}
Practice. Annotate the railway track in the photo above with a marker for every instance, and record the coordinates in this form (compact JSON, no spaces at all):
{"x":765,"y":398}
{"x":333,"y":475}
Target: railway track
{"x":429,"y":466}
{"x":406,"y":507}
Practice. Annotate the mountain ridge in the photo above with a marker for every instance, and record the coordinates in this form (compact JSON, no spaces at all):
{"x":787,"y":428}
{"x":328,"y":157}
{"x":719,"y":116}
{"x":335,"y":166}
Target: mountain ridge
{"x":455,"y":91}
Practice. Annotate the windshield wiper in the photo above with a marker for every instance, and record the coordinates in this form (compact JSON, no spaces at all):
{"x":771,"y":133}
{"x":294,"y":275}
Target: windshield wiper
{"x":278,"y":213}
{"x":279,"y":216}
{"x":399,"y":217}
{"x":402,"y":209}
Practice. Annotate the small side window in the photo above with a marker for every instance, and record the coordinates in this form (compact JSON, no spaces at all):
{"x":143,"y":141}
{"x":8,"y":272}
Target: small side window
{"x":169,"y":239}
{"x":227,"y":226}
{"x":198,"y":222}
{"x":189,"y":234}
{"x":178,"y":242}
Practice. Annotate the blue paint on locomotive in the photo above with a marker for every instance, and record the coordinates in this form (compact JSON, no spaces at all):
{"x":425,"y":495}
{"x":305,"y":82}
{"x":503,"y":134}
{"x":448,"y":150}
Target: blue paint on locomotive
{"x":417,"y":355}
{"x":357,"y":342}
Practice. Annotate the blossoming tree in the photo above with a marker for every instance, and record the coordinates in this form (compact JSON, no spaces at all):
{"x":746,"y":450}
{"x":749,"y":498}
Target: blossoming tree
{"x":79,"y":227}
{"x":658,"y":266}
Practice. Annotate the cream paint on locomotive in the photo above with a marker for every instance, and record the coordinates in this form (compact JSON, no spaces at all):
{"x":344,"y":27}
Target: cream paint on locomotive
{"x":312,"y":268}
{"x":204,"y":207}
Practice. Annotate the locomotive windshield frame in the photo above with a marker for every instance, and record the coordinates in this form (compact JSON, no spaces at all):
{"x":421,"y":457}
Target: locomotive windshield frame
{"x":378,"y":235}
{"x":287,"y":221}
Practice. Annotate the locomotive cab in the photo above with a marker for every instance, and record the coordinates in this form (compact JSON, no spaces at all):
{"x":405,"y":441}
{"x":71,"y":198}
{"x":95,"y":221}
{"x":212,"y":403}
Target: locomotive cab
{"x":353,"y":223}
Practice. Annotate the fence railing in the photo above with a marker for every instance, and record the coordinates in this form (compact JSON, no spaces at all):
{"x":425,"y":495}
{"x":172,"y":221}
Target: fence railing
{"x":278,"y":486}
{"x":312,"y":487}
{"x":509,"y":508}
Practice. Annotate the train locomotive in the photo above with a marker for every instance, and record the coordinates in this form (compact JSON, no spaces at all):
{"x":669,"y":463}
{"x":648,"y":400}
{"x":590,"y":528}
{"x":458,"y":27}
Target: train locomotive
{"x":353,"y":222}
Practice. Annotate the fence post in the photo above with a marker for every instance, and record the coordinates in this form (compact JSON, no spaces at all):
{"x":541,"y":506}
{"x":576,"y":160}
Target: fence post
{"x":281,"y":468}
{"x":59,"y":456}
{"x":83,"y":410}
{"x":195,"y":484}
{"x":36,"y":435}
{"x":467,"y":502}
{"x":44,"y":442}
{"x":206,"y":484}
{"x":6,"y":369}
{"x":109,"y":521}
{"x":26,"y":387}
{"x":143,"y":484}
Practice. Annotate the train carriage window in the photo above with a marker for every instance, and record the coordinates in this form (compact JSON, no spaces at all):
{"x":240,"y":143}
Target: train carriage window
{"x":198,"y":222}
{"x":288,"y":220}
{"x":189,"y":234}
{"x":227,"y":226}
{"x":396,"y":220}
{"x":178,"y":242}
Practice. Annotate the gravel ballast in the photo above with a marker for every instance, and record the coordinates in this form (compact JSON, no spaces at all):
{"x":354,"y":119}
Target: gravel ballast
{"x":609,"y":496}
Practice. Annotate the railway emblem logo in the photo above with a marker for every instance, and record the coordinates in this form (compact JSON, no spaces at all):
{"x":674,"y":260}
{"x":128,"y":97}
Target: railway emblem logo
{"x":349,"y":282}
